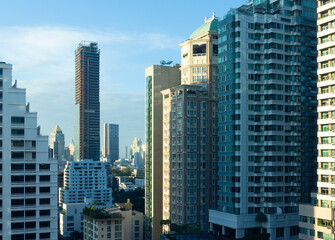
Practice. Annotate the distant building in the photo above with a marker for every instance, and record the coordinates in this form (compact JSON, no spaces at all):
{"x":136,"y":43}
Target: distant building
{"x":28,"y":177}
{"x":123,"y":162}
{"x":57,"y":143}
{"x":110,"y":148}
{"x":85,"y":182}
{"x":71,"y":148}
{"x":137,"y":146}
{"x":127,"y":186}
{"x":85,"y":179}
{"x":71,"y":218}
{"x":87,"y":103}
{"x":123,"y":179}
{"x":138,"y":161}
{"x":140,"y":182}
{"x":121,"y":223}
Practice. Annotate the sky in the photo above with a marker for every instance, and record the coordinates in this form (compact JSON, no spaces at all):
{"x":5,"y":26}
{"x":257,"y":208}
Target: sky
{"x":39,"y":38}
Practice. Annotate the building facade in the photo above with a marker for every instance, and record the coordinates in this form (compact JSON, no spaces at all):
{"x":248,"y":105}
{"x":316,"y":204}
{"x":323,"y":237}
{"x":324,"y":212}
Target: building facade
{"x":110,"y":148}
{"x":57,"y":143}
{"x":317,"y":218}
{"x":85,"y":182}
{"x":120,"y":223}
{"x":71,"y":218}
{"x":87,"y":103}
{"x":85,"y":179}
{"x":158,"y":78}
{"x":190,"y":132}
{"x":267,"y":117}
{"x":28,"y":178}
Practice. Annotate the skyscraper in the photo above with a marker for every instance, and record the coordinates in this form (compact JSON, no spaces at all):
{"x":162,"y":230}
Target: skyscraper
{"x":28,"y":178}
{"x":190,"y":132}
{"x":317,"y":219}
{"x":87,"y":104}
{"x":267,"y":117}
{"x":158,"y":78}
{"x":110,"y":148}
{"x":57,"y":143}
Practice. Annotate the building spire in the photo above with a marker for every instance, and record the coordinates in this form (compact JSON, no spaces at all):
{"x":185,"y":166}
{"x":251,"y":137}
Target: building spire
{"x":57,"y":128}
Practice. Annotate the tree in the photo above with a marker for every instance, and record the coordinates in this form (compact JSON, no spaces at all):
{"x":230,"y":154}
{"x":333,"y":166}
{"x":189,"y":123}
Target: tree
{"x":75,"y":235}
{"x":124,"y":172}
{"x":261,"y":219}
{"x":136,"y":198}
{"x":165,"y":222}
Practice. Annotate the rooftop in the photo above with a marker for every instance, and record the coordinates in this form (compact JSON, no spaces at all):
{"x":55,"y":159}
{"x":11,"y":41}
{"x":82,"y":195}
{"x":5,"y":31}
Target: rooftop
{"x":211,"y":25}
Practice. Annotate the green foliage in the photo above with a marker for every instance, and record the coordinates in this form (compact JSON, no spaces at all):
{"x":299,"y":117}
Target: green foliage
{"x":264,"y":236}
{"x":136,"y":198}
{"x":261,"y":218}
{"x":76,"y":235}
{"x":185,"y":229}
{"x":124,"y":172}
{"x":95,"y":213}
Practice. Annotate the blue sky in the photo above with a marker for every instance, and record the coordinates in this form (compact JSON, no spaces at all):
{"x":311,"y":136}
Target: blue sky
{"x":39,"y":38}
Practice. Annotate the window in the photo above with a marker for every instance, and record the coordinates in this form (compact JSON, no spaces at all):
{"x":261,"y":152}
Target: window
{"x":17,"y":132}
{"x":324,"y":64}
{"x":44,"y":201}
{"x":17,"y":155}
{"x":17,"y":225}
{"x":44,"y":167}
{"x":17,"y":143}
{"x":17,"y":120}
{"x":44,"y":178}
{"x":17,"y":237}
{"x":16,"y":214}
{"x":30,"y":224}
{"x":30,"y":201}
{"x":17,"y":190}
{"x":312,"y":232}
{"x":44,"y":235}
{"x":30,"y":213}
{"x":44,"y":212}
{"x":303,"y":219}
{"x":45,"y":224}
{"x":44,"y":189}
{"x":30,"y":167}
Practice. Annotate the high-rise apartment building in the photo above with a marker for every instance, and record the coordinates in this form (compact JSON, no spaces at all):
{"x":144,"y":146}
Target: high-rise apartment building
{"x":57,"y":143}
{"x":85,"y":179}
{"x":317,"y":219}
{"x":158,"y":78}
{"x":267,"y":117}
{"x":190,"y":132}
{"x":87,"y":104}
{"x":110,"y":148}
{"x":28,"y":178}
{"x":85,"y":182}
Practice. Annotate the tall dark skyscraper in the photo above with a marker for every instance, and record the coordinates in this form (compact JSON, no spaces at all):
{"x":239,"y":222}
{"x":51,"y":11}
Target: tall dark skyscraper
{"x":87,"y":104}
{"x":110,"y":148}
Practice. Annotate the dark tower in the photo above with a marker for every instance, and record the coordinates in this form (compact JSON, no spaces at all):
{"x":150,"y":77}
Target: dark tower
{"x":87,"y":104}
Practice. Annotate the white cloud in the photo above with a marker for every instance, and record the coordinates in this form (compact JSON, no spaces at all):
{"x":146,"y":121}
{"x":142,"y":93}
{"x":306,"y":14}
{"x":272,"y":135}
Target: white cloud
{"x":43,"y":62}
